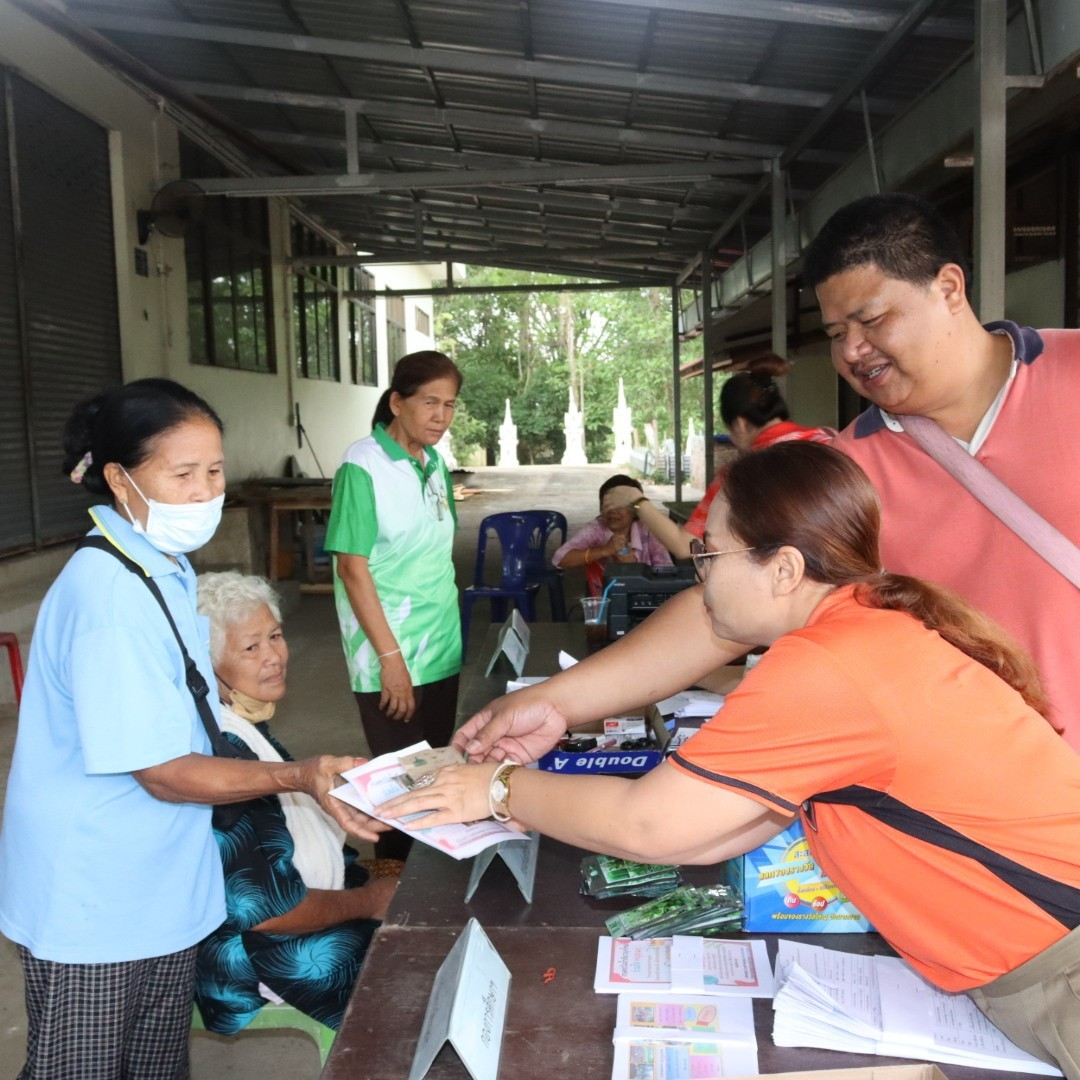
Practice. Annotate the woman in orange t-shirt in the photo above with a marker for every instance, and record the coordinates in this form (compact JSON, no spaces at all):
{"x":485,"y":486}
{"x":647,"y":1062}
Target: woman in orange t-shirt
{"x":897,"y":722}
{"x":756,"y":415}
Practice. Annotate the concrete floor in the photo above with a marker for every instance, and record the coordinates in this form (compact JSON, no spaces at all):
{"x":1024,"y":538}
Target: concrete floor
{"x":319,"y":716}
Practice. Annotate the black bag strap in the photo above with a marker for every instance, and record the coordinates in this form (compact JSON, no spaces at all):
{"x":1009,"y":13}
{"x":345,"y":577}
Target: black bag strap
{"x":193,"y":676}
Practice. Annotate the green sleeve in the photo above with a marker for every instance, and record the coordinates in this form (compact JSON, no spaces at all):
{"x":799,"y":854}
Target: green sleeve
{"x":353,"y":525}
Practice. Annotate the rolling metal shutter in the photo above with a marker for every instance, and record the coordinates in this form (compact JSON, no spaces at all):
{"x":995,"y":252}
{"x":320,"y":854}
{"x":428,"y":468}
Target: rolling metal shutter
{"x":59,"y":337}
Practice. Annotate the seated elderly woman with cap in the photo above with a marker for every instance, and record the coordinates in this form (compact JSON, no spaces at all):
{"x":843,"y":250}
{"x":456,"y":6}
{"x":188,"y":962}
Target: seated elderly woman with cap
{"x":300,"y":911}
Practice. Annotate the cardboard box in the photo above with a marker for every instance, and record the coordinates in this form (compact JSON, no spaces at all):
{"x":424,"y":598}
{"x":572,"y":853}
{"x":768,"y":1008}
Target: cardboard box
{"x":785,"y":891}
{"x":612,"y":762}
{"x":922,"y":1071}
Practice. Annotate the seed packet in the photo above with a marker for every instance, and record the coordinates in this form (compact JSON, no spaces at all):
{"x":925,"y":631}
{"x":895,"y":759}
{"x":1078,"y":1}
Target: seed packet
{"x":688,"y":909}
{"x":603,"y":876}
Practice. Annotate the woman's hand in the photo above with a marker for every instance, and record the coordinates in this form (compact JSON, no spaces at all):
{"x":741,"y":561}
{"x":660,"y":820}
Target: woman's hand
{"x":511,"y":727}
{"x":397,"y":699}
{"x":623,"y":495}
{"x":459,"y":793}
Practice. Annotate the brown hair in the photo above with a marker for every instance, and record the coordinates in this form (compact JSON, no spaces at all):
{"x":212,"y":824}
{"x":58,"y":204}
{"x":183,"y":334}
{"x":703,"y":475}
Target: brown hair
{"x":410,"y":373}
{"x":817,"y":500}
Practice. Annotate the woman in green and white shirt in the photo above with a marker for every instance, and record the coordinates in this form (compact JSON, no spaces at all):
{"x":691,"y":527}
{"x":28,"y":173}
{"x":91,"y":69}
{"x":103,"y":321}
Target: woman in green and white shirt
{"x":391,"y":529}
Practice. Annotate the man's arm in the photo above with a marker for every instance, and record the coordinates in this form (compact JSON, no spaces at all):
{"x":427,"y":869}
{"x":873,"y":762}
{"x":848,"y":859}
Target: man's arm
{"x":672,"y":649}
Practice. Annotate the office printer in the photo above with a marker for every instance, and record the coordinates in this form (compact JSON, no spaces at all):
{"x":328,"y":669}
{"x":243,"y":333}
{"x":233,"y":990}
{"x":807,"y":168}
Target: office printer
{"x":638,"y":590}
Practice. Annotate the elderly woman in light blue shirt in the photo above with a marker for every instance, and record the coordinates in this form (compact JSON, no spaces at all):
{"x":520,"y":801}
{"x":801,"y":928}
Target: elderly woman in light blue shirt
{"x":109,"y":874}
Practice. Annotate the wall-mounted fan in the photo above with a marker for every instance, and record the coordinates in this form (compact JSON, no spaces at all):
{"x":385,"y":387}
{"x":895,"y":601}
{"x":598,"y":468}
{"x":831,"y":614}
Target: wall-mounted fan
{"x":174,"y":209}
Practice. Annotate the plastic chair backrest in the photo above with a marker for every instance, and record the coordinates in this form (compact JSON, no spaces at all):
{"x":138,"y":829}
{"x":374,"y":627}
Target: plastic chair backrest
{"x":523,"y":537}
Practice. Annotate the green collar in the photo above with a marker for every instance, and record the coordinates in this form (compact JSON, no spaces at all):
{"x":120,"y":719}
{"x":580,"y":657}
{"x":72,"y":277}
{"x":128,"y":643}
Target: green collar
{"x":396,"y":452}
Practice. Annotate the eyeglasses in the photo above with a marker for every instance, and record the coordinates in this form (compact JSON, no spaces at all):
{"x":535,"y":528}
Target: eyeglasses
{"x":698,"y":554}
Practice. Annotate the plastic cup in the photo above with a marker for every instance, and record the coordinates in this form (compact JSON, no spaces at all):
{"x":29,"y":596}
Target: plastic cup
{"x":593,"y":608}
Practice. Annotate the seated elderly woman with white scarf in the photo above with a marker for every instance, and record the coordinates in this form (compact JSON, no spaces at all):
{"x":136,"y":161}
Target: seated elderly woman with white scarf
{"x":300,"y":911}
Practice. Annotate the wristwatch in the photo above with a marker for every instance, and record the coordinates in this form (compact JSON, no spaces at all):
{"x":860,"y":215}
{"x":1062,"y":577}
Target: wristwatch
{"x":637,"y":502}
{"x":499,"y":791}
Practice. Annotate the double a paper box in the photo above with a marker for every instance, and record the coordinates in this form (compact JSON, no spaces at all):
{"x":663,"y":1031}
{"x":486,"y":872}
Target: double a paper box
{"x":612,"y":760}
{"x":785,"y":891}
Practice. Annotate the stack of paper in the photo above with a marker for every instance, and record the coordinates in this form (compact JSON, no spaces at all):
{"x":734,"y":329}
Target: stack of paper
{"x":672,"y":1037}
{"x":880,"y":1005}
{"x":383,"y":778}
{"x":687,"y":965}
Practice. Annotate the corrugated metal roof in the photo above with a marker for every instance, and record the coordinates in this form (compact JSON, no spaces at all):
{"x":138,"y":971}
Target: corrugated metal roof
{"x":482,"y":85}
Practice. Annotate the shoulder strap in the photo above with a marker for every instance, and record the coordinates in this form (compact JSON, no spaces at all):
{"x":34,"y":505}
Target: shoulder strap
{"x":196,"y":684}
{"x":1045,"y":540}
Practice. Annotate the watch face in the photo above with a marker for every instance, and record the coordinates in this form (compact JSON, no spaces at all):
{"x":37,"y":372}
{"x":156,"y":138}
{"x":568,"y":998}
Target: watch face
{"x":499,"y":791}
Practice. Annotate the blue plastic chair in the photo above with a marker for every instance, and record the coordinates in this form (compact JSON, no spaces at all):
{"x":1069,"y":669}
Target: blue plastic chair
{"x":523,"y":537}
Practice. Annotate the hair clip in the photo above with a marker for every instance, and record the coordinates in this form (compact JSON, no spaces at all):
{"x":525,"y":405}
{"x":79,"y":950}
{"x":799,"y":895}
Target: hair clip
{"x":79,"y":471}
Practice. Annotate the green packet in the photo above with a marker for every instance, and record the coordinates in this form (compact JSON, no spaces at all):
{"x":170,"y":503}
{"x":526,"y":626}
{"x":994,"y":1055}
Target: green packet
{"x":604,"y":876}
{"x":687,"y":909}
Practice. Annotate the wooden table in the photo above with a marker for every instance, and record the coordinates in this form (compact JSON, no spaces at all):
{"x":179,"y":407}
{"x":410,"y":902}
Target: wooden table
{"x":558,"y":1028}
{"x":303,"y":500}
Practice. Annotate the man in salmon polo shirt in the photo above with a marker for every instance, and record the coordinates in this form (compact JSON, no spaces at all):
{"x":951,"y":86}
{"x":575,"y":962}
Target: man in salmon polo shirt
{"x":891,"y":282}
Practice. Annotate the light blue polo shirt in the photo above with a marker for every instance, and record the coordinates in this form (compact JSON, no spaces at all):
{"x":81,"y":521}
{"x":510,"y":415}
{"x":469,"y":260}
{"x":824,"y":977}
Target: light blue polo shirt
{"x":93,"y":869}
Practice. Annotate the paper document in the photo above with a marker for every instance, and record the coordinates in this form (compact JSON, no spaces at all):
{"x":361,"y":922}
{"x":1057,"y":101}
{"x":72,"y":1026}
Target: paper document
{"x":675,"y":1036}
{"x":683,"y":964}
{"x":691,"y":703}
{"x":881,"y":1005}
{"x":383,"y":778}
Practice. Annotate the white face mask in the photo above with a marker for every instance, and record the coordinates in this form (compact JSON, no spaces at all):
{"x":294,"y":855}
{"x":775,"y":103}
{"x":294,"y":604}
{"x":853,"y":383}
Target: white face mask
{"x":177,"y":528}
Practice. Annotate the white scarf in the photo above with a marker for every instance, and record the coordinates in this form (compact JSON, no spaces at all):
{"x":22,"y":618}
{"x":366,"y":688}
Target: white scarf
{"x":316,"y":836}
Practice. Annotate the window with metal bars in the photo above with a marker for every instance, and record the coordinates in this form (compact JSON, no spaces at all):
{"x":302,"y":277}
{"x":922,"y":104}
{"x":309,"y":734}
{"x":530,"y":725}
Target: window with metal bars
{"x":230,"y":306}
{"x":315,"y":308}
{"x":363,"y":350}
{"x":395,"y":328}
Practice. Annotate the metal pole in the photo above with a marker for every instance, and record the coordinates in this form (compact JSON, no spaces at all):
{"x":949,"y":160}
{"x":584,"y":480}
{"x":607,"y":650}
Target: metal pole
{"x":870,"y":143}
{"x":677,"y":382}
{"x":708,"y":339}
{"x":779,"y":263}
{"x":990,"y":160}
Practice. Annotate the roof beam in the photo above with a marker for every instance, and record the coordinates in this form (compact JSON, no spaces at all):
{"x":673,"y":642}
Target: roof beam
{"x":882,"y":53}
{"x":485,"y":290}
{"x":464,"y":179}
{"x":590,"y":134}
{"x":827,"y":16}
{"x":473,"y":62}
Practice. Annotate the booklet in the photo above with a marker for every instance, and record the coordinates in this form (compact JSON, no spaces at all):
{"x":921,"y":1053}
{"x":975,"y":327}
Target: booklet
{"x":683,"y":964}
{"x":385,"y":777}
{"x":669,"y":1037}
{"x":881,"y":1005}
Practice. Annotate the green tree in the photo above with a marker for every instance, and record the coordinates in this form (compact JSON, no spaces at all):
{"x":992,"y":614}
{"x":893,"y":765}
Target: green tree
{"x":530,"y":347}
